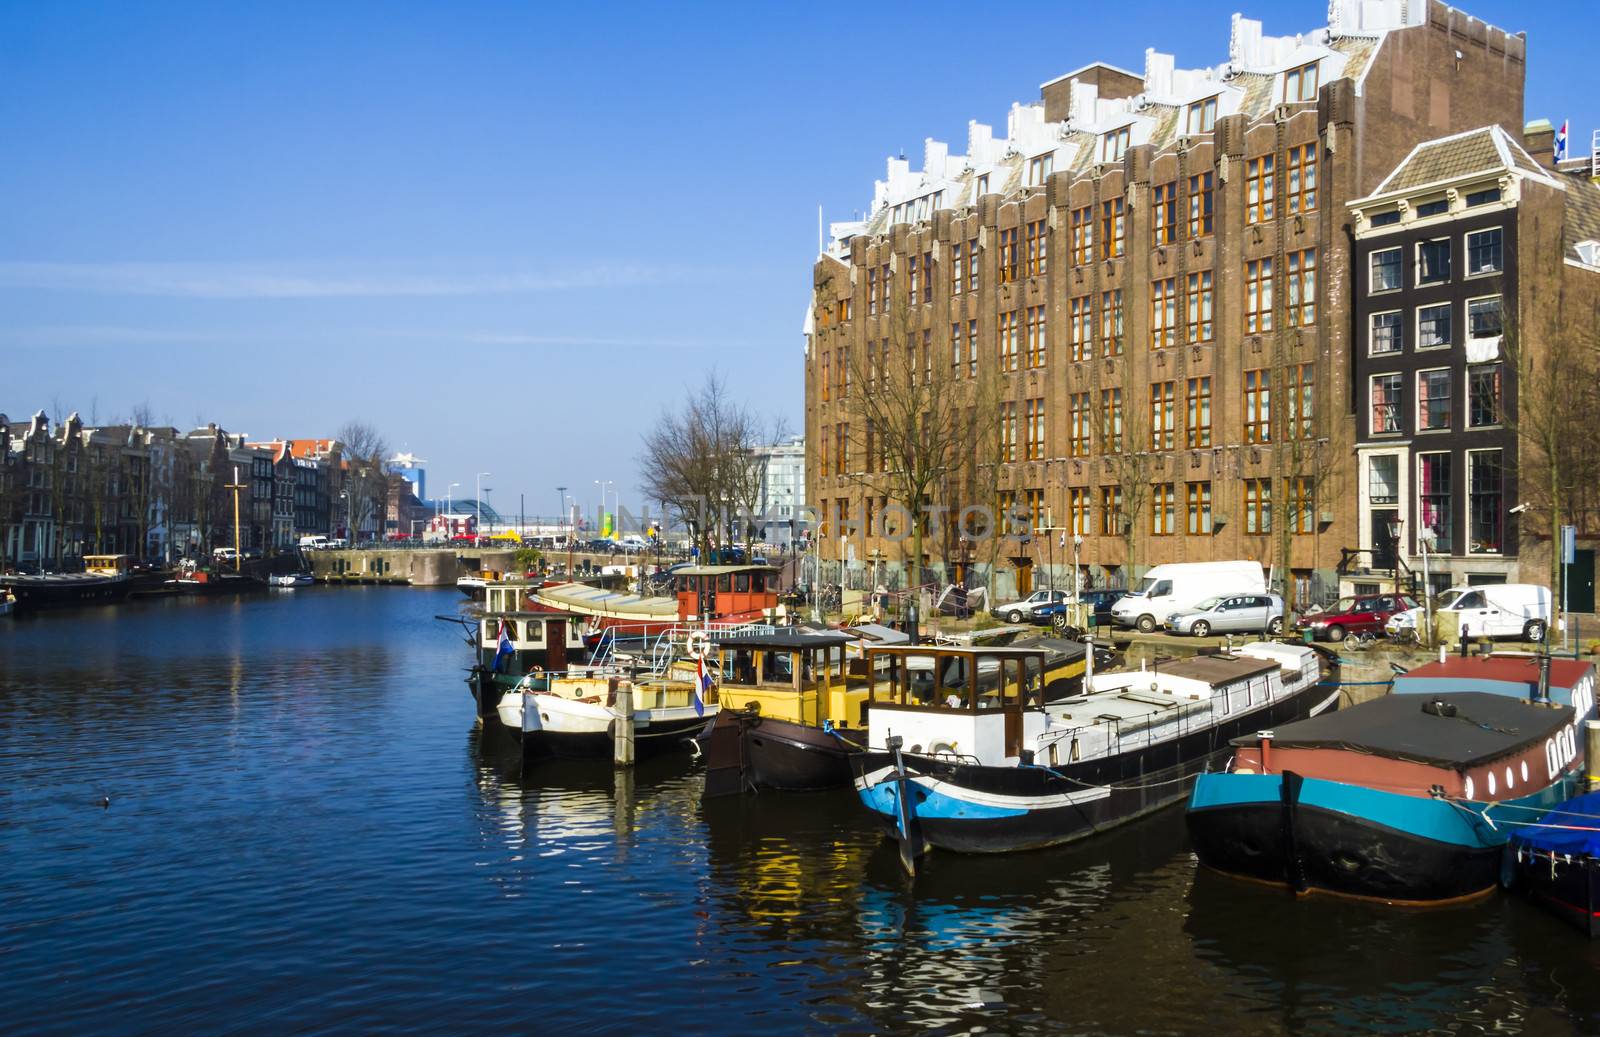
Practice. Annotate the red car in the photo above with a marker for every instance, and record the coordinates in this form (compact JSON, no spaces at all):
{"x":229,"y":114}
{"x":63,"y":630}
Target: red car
{"x":1362,"y":614}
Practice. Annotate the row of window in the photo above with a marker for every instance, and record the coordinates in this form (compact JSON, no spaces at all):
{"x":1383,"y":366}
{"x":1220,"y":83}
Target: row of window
{"x":1025,"y":426}
{"x":1432,"y":261}
{"x":1436,"y":497}
{"x":1436,"y":399}
{"x":1434,"y":326}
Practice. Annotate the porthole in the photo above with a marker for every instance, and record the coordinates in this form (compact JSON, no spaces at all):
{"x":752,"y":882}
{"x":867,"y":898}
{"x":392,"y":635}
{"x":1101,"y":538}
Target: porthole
{"x":1491,"y":783}
{"x":1524,"y":770}
{"x":1469,"y":788}
{"x":1510,"y":781}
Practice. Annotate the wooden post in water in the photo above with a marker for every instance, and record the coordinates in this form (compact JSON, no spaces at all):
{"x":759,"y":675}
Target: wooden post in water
{"x":622,"y":726}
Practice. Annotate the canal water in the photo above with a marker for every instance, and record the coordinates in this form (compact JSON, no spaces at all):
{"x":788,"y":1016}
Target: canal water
{"x":306,"y":834}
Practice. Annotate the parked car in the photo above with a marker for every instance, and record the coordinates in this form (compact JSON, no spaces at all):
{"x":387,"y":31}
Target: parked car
{"x":1100,"y":599}
{"x":1359,"y":614}
{"x":1020,"y":611}
{"x":1230,"y":613}
{"x":633,"y":544}
{"x":313,"y":543}
{"x":1492,"y":610}
{"x":224,"y":554}
{"x":1180,"y":586}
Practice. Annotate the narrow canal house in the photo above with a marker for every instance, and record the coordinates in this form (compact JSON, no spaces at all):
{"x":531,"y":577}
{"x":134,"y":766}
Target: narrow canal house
{"x":1155,"y":269}
{"x":1473,"y":258}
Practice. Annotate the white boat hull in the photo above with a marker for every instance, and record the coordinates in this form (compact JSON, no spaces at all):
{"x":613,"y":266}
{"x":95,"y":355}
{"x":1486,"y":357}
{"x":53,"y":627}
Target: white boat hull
{"x":566,"y":727}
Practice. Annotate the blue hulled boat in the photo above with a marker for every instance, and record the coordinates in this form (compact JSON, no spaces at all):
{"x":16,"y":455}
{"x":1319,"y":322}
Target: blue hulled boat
{"x":1405,"y":799}
{"x":1557,"y":861}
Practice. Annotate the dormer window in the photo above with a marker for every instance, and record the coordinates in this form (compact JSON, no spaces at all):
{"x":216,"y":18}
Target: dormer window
{"x":1300,"y":84}
{"x":1040,"y":168}
{"x":983,"y":185}
{"x":1437,"y":207}
{"x":1483,"y":197}
{"x":1386,"y":219}
{"x":1114,"y":145}
{"x":1202,"y":117}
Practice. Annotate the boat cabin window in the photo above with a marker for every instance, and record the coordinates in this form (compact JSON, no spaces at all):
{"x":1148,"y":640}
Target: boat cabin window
{"x":739,"y":667}
{"x":741,"y":583}
{"x":960,"y":682}
{"x":772,"y":583}
{"x":722,"y":583}
{"x":777,"y":667}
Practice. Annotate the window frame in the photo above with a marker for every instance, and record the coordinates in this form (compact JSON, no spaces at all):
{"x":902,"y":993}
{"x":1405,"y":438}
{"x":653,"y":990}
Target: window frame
{"x":1201,"y":116}
{"x":1197,"y":497}
{"x":1450,"y":311}
{"x":1498,"y":368}
{"x":1399,"y":335}
{"x":1396,"y":405}
{"x":1297,"y":76}
{"x":1466,"y":246}
{"x":1260,"y":180}
{"x":1114,"y":143}
{"x":1257,"y":410}
{"x":1420,"y":406}
{"x":1372,"y":269}
{"x":1467,"y":322}
{"x":1417,"y":275}
{"x":1197,"y":410}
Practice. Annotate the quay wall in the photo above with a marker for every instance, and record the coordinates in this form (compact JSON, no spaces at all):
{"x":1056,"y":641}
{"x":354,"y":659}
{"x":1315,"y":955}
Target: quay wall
{"x":412,"y":566}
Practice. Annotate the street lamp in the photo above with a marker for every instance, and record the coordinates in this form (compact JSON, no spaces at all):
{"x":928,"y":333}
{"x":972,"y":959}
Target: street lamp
{"x":561,"y":507}
{"x":478,"y":500}
{"x":449,"y":509}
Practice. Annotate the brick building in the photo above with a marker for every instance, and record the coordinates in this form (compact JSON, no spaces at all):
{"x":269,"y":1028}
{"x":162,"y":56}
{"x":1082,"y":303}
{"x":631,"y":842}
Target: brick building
{"x":1156,"y":269}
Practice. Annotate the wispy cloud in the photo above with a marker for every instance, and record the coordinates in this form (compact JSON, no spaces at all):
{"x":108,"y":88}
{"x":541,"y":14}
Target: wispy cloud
{"x":92,"y":335}
{"x":231,"y":281}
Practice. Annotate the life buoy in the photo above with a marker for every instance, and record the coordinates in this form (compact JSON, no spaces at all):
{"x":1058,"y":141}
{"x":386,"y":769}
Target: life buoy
{"x":698,"y":645}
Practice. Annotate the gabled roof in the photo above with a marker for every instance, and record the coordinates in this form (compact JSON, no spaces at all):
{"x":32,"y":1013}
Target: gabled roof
{"x":1483,"y":151}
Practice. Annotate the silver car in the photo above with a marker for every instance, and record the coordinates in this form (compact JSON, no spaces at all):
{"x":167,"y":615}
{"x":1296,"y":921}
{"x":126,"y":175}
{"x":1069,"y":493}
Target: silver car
{"x":1230,"y":613}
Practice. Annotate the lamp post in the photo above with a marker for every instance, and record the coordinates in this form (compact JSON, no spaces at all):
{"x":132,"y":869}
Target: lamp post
{"x":561,"y":491}
{"x":1077,"y":577}
{"x":450,"y":510}
{"x":478,"y":500}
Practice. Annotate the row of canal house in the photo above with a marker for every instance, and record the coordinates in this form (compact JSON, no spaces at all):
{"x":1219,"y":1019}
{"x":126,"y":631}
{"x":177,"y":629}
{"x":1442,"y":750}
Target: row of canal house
{"x":1170,"y":276}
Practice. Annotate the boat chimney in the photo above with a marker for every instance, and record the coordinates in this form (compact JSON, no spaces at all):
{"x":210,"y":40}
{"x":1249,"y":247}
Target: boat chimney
{"x":1541,"y":690}
{"x":1266,"y":751}
{"x":1465,"y":632}
{"x":1088,"y":663}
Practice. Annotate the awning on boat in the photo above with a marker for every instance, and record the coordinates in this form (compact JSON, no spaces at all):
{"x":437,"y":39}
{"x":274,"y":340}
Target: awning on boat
{"x":598,"y":601}
{"x":1578,"y":830}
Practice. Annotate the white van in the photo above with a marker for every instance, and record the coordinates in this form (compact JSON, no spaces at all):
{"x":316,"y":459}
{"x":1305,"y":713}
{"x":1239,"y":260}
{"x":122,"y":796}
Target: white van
{"x":1491,"y":610}
{"x":313,"y":543}
{"x":1176,"y":586}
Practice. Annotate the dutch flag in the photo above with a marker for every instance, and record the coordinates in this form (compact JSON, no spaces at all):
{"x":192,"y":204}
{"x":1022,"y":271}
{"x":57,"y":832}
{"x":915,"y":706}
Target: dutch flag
{"x":1561,"y":141}
{"x":502,"y":646}
{"x":702,"y":688}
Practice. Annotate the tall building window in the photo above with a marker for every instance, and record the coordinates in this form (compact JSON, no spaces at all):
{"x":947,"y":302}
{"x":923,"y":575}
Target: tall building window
{"x":1037,"y":351}
{"x":1008,"y":431}
{"x":841,"y":446}
{"x":1114,"y":144}
{"x":1384,"y":391}
{"x":1163,"y":509}
{"x":1257,"y":296}
{"x":872,"y":292}
{"x":844,"y":310}
{"x":1200,"y":200}
{"x":1033,"y":412}
{"x":1302,"y":504}
{"x":1302,"y":390}
{"x":1385,"y":275}
{"x":1483,"y":395}
{"x":914,"y":277}
{"x":972,"y":348}
{"x":1484,"y":514}
{"x":1303,"y":288}
{"x":1039,"y":168}
{"x":1483,"y":318}
{"x":1433,"y":326}
{"x":1079,"y":328}
{"x":1433,"y":261}
{"x":1258,"y":506}
{"x":1386,"y":335}
{"x":1199,"y":429}
{"x":1111,"y":511}
{"x":1200,"y":304}
{"x":1037,"y":243}
{"x":822,"y":453}
{"x":843,"y":381}
{"x":1260,"y":190}
{"x":1007,"y":340}
{"x":927,"y":277}
{"x":885,"y":285}
{"x":1164,"y":213}
{"x":1113,"y":228}
{"x":1035,"y":510}
{"x":1163,"y":414}
{"x":1078,"y":425}
{"x":1302,"y":179}
{"x":1111,"y":421}
{"x":1383,"y":479}
{"x":1300,"y":84}
{"x":1080,"y":229}
{"x":1433,"y":399}
{"x":1199,"y":494}
{"x":927,"y":356}
{"x":1111,"y":323}
{"x":958,"y":360}
{"x":1258,"y":406}
{"x":1434,"y":493}
{"x":1484,"y":252}
{"x":1078,"y":510}
{"x":1008,"y":255}
{"x":827,"y":376}
{"x":972,"y":265}
{"x":958,"y":269}
{"x":1163,"y":313}
{"x":1201,"y":117}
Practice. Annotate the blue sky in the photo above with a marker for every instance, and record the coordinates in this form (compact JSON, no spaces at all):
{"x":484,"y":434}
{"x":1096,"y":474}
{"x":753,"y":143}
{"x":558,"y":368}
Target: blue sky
{"x":506,"y":234}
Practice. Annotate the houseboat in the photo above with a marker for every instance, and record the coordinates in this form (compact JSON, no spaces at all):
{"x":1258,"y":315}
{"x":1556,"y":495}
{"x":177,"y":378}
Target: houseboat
{"x":290,"y":580}
{"x":192,"y":578}
{"x":701,"y":594}
{"x":104,"y":579}
{"x":972,"y":750}
{"x":512,"y":642}
{"x":1406,"y":799}
{"x":574,"y":713}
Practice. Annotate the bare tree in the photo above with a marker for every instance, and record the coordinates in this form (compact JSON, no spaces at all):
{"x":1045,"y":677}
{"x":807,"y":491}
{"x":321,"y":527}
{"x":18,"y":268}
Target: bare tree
{"x":364,"y":452}
{"x":702,"y":463}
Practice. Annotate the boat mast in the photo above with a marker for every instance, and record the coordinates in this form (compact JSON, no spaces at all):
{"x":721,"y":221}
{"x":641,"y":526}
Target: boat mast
{"x":236,"y":486}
